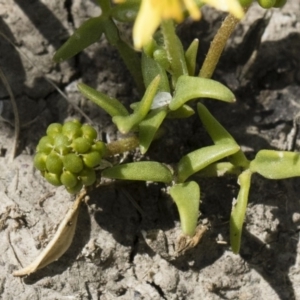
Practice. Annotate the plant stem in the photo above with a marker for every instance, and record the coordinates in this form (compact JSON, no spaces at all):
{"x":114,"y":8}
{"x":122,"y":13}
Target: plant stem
{"x":122,"y":146}
{"x":217,"y":46}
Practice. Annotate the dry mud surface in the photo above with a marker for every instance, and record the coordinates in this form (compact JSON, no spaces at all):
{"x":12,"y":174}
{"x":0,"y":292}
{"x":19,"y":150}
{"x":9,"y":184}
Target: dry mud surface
{"x":119,"y":252}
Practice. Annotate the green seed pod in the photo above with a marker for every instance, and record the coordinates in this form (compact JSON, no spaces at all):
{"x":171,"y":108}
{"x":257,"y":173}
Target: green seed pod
{"x":53,"y":178}
{"x":72,"y":163}
{"x":76,"y":188}
{"x":68,"y":179}
{"x":81,"y":145}
{"x":99,"y":147}
{"x":54,"y":163}
{"x":87,"y":176}
{"x":280,"y":3}
{"x":92,"y":159}
{"x":266,"y":3}
{"x":245,"y":3}
{"x":40,"y":161}
{"x":72,"y":129}
{"x":89,"y":132}
{"x":53,"y":129}
{"x":45,"y":144}
{"x":61,"y":143}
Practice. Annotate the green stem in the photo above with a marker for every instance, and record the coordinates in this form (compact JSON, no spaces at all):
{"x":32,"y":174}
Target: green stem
{"x":174,"y":50}
{"x":121,"y":146}
{"x":217,"y":46}
{"x":105,"y":6}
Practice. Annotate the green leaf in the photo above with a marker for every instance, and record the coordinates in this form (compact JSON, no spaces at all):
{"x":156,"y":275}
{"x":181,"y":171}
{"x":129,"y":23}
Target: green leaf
{"x":150,"y":69}
{"x":220,"y":135}
{"x":125,"y":12}
{"x":217,"y":132}
{"x":191,"y":56}
{"x":161,"y":57}
{"x":149,"y":126}
{"x":276,"y":164}
{"x":143,"y":170}
{"x":188,"y":88}
{"x":239,"y":210}
{"x":174,"y":50}
{"x":219,"y":169}
{"x":187,"y":198}
{"x":127,"y":123}
{"x":184,"y":111}
{"x":111,"y":105}
{"x":88,"y":33}
{"x":201,"y":158}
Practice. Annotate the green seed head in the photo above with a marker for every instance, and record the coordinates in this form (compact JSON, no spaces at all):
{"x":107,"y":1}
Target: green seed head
{"x":266,"y":3}
{"x":40,"y":161}
{"x":89,"y":132}
{"x":72,"y":129}
{"x":99,"y":147}
{"x":54,"y":163}
{"x":68,"y":154}
{"x":53,"y":129}
{"x":87,"y":176}
{"x":61,"y":144}
{"x":76,"y":188}
{"x":81,"y":145}
{"x":45,"y":144}
{"x":280,"y":3}
{"x":68,"y":179}
{"x":72,"y":163}
{"x":53,"y":178}
{"x":245,"y":2}
{"x":91,"y":159}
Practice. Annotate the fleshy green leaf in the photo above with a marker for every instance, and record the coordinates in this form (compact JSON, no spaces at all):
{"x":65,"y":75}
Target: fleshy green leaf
{"x":239,"y":210}
{"x":191,"y":55}
{"x":184,"y":111}
{"x":217,"y":132}
{"x":220,"y":135}
{"x":88,"y":33}
{"x":149,"y":126}
{"x":150,"y":69}
{"x":188,"y":88}
{"x":174,"y":49}
{"x":126,"y":123}
{"x":219,"y":169}
{"x":125,"y":12}
{"x":201,"y":158}
{"x":276,"y":164}
{"x":111,"y":105}
{"x":187,"y":198}
{"x":143,"y":170}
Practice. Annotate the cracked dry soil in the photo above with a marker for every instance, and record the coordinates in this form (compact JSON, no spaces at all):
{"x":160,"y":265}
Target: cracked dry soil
{"x":119,"y":252}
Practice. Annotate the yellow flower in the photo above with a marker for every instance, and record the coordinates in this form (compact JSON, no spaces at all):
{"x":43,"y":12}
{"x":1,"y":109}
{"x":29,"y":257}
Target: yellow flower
{"x":152,"y":12}
{"x":232,"y":6}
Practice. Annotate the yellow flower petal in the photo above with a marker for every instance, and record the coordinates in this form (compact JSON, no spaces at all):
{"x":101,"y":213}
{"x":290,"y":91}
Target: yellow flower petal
{"x":193,"y":9}
{"x":152,"y":12}
{"x":232,"y":6}
{"x":170,"y":9}
{"x":147,"y":21}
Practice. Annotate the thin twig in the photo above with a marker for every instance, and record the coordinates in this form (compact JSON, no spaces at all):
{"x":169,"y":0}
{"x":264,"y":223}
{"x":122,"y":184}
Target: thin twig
{"x":16,"y":113}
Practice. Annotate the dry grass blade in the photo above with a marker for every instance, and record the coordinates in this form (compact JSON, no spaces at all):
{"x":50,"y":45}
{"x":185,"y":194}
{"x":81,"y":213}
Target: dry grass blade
{"x":60,"y":242}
